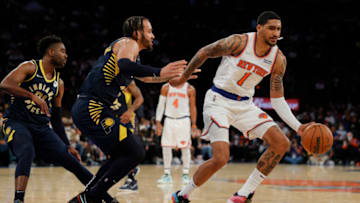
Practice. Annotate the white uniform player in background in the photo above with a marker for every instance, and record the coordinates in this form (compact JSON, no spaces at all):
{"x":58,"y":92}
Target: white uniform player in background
{"x":246,"y":60}
{"x":178,"y":104}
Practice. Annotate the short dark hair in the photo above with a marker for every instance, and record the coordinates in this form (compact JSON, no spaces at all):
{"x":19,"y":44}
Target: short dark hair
{"x":133,"y":24}
{"x":45,"y":42}
{"x":267,"y":15}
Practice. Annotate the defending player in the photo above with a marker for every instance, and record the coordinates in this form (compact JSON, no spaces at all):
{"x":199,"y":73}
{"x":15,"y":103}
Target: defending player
{"x":37,"y":91}
{"x":98,"y":109}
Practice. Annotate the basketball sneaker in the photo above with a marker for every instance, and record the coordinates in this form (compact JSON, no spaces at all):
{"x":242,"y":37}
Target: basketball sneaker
{"x":176,"y":198}
{"x":18,"y":201}
{"x":165,"y":179}
{"x":83,"y":198}
{"x":135,"y":171}
{"x":130,"y":186}
{"x":240,"y":199}
{"x":185,"y":179}
{"x":114,"y":201}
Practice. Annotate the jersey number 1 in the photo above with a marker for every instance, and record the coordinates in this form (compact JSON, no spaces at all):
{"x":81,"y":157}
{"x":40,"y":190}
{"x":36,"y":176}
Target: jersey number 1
{"x":242,"y":80}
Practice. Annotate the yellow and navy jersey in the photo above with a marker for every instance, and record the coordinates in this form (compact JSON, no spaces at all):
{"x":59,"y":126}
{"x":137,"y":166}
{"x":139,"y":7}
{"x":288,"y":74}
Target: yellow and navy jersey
{"x":104,"y":81}
{"x":25,"y":109}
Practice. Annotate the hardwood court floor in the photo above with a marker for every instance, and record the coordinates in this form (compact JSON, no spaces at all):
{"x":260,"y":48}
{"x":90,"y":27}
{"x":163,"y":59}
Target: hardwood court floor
{"x":287,"y":184}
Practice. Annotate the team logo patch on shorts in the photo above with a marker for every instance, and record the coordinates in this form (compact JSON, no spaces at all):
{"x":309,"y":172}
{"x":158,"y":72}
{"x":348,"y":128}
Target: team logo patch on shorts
{"x":263,"y":115}
{"x":107,"y":124}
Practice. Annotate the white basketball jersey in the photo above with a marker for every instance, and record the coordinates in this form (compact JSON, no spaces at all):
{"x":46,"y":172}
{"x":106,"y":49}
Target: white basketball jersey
{"x":177,"y":102}
{"x":239,"y":75}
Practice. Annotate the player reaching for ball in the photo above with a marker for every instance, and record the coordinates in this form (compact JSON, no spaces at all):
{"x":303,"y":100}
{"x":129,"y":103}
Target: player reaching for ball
{"x":246,"y":60}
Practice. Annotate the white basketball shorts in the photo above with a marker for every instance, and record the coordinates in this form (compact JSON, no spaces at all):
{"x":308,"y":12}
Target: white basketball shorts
{"x":220,"y":112}
{"x":176,"y":133}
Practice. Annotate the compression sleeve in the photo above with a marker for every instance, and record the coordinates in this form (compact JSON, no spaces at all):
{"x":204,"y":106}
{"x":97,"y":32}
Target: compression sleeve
{"x":284,"y":111}
{"x":160,"y":108}
{"x":57,"y":125}
{"x":130,"y":68}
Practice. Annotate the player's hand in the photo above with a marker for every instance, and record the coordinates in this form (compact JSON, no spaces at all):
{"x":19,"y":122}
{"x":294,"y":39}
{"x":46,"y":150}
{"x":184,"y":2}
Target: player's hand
{"x":179,"y":80}
{"x":125,"y":117}
{"x":42,"y":104}
{"x":158,"y":129}
{"x":303,"y":127}
{"x":75,"y":153}
{"x":195,"y":131}
{"x":173,"y":69}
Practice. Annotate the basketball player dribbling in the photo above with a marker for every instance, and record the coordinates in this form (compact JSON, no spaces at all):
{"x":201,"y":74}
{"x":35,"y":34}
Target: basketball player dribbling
{"x":178,"y":103}
{"x":246,"y":60}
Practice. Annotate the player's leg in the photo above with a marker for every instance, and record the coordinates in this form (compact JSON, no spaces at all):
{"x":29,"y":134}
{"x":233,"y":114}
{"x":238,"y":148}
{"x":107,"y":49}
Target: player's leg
{"x":186,"y":158}
{"x":263,"y":128}
{"x":216,"y":122}
{"x":50,"y":147}
{"x":125,"y":155}
{"x":21,"y":143}
{"x":183,"y":137}
{"x":131,"y":183}
{"x":168,"y":142}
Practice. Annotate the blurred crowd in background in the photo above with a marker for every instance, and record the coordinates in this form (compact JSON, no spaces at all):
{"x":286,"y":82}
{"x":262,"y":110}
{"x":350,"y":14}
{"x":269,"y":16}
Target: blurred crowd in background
{"x":321,"y":44}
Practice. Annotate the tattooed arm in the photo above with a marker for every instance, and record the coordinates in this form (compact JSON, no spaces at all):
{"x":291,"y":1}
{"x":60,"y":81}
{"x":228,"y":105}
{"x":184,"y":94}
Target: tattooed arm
{"x":229,"y":46}
{"x":277,"y":95}
{"x":276,"y":80}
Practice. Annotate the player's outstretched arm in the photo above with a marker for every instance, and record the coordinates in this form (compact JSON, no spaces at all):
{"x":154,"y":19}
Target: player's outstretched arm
{"x":127,"y":50}
{"x":278,"y":101}
{"x":229,"y":46}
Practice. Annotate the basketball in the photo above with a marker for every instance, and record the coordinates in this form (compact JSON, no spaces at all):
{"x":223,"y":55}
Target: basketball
{"x":317,"y":138}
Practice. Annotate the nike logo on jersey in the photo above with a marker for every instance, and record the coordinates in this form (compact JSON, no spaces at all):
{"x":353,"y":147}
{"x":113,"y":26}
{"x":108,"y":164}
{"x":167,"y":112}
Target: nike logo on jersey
{"x":39,"y":76}
{"x":267,"y":61}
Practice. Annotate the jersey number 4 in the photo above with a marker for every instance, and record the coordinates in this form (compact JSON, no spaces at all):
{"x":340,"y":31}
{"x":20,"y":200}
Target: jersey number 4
{"x":242,"y":80}
{"x":176,"y":103}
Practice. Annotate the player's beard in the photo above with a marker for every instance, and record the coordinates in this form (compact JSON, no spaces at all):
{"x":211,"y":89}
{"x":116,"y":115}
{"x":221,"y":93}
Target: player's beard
{"x":146,"y":42}
{"x":58,"y":63}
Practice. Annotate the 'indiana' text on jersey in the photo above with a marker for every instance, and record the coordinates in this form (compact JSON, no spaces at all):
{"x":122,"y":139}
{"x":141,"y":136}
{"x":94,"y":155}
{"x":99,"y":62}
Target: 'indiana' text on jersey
{"x":24,"y":108}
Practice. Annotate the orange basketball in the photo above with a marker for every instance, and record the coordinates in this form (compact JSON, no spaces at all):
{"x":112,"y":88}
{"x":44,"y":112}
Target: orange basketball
{"x":317,"y":138}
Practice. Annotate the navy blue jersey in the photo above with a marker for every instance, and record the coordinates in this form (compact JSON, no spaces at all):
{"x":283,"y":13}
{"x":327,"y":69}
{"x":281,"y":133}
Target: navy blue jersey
{"x":104,"y":81}
{"x":25,"y":109}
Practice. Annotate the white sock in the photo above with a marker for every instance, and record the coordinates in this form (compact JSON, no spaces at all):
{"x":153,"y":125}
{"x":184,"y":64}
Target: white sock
{"x":167,"y":156}
{"x":189,"y":188}
{"x":253,"y":181}
{"x":186,"y":156}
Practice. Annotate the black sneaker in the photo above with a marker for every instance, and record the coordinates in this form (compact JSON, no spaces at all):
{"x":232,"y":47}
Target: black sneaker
{"x":176,"y":198}
{"x":130,"y":186}
{"x":83,"y":198}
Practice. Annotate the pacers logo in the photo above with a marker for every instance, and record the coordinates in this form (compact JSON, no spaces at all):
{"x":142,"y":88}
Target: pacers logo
{"x":107,"y":124}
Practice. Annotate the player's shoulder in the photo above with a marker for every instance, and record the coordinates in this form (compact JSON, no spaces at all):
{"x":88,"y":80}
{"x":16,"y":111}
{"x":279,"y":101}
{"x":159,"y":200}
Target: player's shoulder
{"x":30,"y":63}
{"x":190,"y":86}
{"x":27,"y":66}
{"x":126,"y":41}
{"x":280,"y":58}
{"x":165,"y":86}
{"x":242,"y":36}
